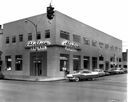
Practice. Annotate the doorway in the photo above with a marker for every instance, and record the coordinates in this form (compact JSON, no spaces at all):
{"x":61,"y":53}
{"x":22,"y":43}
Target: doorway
{"x":38,"y":63}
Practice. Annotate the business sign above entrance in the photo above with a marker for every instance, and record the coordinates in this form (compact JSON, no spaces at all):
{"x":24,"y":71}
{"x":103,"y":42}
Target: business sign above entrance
{"x":37,"y":45}
{"x":71,"y":46}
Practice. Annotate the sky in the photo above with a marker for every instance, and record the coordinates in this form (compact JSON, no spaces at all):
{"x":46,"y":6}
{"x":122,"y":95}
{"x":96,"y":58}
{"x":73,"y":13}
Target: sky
{"x":109,"y":16}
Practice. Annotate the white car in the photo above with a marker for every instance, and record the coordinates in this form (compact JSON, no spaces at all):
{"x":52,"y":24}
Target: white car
{"x":100,"y":72}
{"x":118,"y":71}
{"x":82,"y":75}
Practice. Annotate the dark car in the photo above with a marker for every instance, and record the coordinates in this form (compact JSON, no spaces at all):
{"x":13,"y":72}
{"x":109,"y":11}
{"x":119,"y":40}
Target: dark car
{"x":1,"y":75}
{"x":82,"y":75}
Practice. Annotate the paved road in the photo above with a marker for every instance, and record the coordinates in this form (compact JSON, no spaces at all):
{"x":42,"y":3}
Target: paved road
{"x":105,"y":89}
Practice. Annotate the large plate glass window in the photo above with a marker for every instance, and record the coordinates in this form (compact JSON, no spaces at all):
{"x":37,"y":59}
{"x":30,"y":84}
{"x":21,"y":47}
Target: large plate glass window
{"x":76,"y":62}
{"x":8,"y":62}
{"x":18,"y":62}
{"x":64,"y":61}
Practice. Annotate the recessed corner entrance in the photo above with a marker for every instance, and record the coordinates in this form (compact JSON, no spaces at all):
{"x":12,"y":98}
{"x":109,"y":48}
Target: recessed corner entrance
{"x":38,"y":63}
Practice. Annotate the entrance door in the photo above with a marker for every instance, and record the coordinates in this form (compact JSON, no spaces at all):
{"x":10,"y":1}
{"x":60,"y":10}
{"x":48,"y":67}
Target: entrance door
{"x":38,"y":63}
{"x":37,"y":66}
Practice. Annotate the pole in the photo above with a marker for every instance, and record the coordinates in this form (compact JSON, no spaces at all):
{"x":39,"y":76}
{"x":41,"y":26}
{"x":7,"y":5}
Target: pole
{"x":35,"y":26}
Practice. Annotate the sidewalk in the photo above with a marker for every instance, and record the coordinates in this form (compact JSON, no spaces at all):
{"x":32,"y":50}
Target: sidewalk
{"x":36,"y":78}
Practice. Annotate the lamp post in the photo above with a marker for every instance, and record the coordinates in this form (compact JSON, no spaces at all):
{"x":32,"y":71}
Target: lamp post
{"x":35,"y":27}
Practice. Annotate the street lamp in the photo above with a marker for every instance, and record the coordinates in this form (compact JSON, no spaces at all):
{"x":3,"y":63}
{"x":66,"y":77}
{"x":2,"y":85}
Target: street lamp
{"x":35,"y":27}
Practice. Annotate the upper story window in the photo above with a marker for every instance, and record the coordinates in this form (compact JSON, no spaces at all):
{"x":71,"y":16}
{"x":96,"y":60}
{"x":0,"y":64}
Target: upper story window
{"x":7,"y":40}
{"x":116,"y":48}
{"x":38,"y":36}
{"x":101,"y":44}
{"x":120,"y":50}
{"x":94,"y":43}
{"x":76,"y":38}
{"x":101,"y":58}
{"x":21,"y":37}
{"x":64,"y":35}
{"x":112,"y":47}
{"x":47,"y":33}
{"x":29,"y":36}
{"x":106,"y":46}
{"x":13,"y":39}
{"x":86,"y":41}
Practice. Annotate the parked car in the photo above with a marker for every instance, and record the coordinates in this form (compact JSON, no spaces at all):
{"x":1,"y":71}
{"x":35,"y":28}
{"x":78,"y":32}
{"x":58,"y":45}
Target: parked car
{"x":111,"y":71}
{"x":118,"y":71}
{"x":106,"y":72}
{"x":1,"y":75}
{"x":100,"y":72}
{"x":125,"y":70}
{"x":82,"y":75}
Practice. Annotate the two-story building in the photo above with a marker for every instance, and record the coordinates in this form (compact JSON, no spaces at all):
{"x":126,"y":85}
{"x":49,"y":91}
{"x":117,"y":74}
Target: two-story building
{"x":37,"y":46}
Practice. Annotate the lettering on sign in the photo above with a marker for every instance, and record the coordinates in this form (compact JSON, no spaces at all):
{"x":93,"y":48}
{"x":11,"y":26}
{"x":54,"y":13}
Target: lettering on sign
{"x":37,"y":45}
{"x":71,"y":46}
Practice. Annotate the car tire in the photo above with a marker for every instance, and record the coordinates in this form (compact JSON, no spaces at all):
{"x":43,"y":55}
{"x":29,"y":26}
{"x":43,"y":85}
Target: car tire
{"x":77,"y":79}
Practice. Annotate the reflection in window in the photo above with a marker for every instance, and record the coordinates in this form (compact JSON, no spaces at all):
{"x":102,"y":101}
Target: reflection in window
{"x":18,"y":62}
{"x":8,"y":62}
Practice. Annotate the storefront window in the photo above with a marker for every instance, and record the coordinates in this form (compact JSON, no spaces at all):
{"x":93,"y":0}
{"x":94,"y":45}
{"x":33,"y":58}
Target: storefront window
{"x":76,"y":62}
{"x":18,"y":62}
{"x":64,"y":61}
{"x":94,"y":62}
{"x":101,"y":66}
{"x":86,"y":62}
{"x":8,"y":62}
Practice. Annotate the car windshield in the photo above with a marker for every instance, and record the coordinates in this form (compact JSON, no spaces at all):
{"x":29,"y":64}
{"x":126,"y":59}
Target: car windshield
{"x":85,"y":71}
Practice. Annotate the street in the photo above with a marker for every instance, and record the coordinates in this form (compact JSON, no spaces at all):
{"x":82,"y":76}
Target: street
{"x":105,"y":89}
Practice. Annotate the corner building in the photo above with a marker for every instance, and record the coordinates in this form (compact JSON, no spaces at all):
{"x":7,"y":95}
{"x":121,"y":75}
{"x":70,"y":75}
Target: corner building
{"x":60,"y":42}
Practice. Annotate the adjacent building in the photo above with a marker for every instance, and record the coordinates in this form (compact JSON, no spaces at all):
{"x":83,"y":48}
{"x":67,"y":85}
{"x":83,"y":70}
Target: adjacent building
{"x":1,"y":33}
{"x":37,"y":46}
{"x":125,"y":59}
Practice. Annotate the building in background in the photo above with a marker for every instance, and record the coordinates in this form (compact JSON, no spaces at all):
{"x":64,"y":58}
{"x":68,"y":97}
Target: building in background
{"x":61,"y":42}
{"x":125,"y":59}
{"x":1,"y":35}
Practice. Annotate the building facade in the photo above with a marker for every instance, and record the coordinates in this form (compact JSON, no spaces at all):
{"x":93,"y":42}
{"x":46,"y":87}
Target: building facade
{"x":125,"y":59}
{"x":1,"y":35}
{"x":54,"y":44}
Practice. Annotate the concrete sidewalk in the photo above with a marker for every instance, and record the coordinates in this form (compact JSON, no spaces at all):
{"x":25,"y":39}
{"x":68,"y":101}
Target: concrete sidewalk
{"x":36,"y":78}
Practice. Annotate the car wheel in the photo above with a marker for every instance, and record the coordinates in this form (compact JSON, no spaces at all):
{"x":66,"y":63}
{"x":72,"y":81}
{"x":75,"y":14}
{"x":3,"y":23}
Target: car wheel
{"x":77,"y":79}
